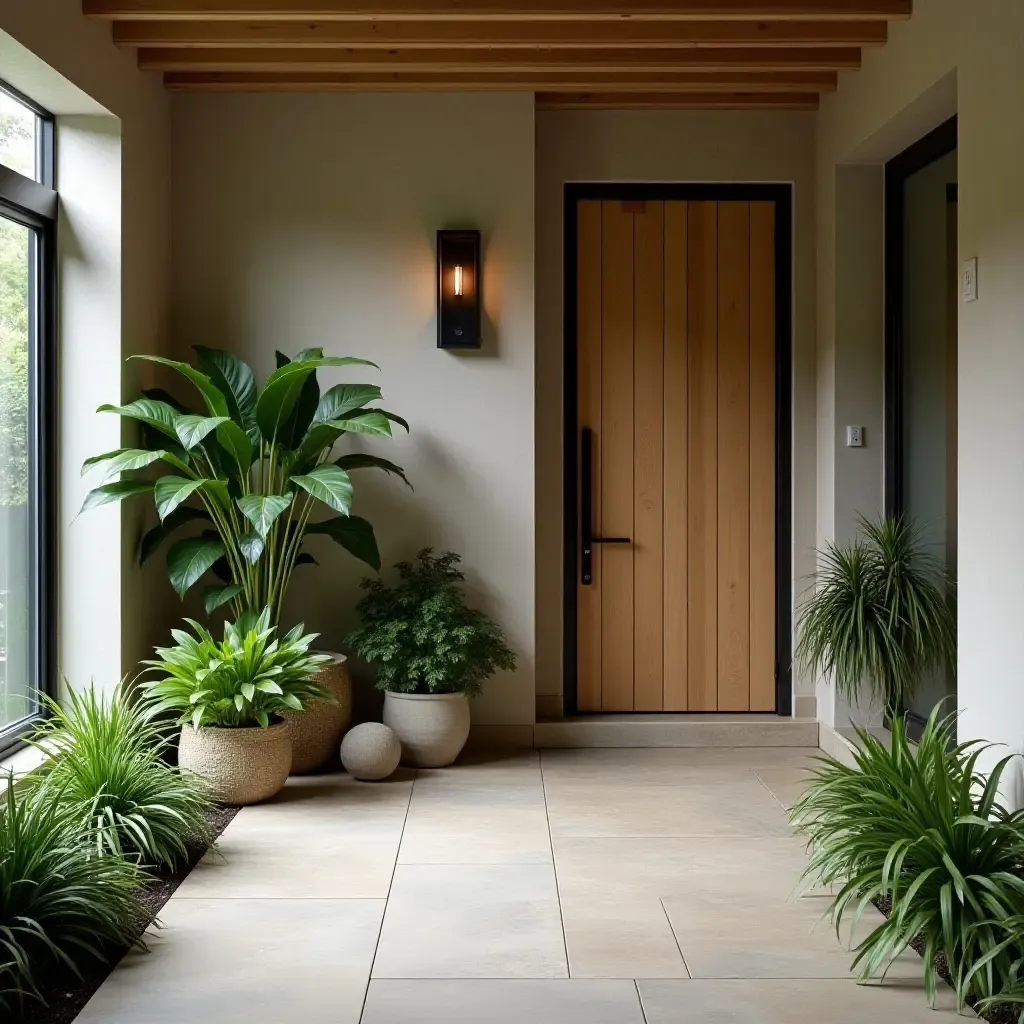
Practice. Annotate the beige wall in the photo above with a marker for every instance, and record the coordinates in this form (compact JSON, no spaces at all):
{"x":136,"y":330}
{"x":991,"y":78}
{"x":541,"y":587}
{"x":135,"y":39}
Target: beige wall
{"x":310,"y":220}
{"x":113,"y":137}
{"x":970,"y":56}
{"x":665,"y":147}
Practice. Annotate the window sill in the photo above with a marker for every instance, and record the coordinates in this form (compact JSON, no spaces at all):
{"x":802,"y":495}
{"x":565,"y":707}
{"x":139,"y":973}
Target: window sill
{"x":21,"y":762}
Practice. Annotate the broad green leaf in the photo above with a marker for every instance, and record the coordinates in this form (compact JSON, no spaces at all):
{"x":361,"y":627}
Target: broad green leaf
{"x":117,"y":491}
{"x":262,"y":510}
{"x":328,"y":484}
{"x":294,"y":427}
{"x":189,"y":559}
{"x":396,"y":419}
{"x":181,"y":516}
{"x":342,"y":399}
{"x":236,"y":442}
{"x":354,"y":534}
{"x":212,"y":395}
{"x":369,"y":422}
{"x":220,"y":492}
{"x":158,"y":415}
{"x":123,"y":460}
{"x":360,"y":460}
{"x":160,"y":395}
{"x":214,"y":597}
{"x":171,"y":491}
{"x":320,"y":436}
{"x":235,"y":380}
{"x":283,"y":387}
{"x":251,"y":545}
{"x":192,"y":429}
{"x":308,"y":353}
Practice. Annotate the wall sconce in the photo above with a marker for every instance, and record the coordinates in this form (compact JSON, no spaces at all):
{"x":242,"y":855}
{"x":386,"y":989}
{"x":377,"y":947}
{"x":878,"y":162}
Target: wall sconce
{"x":458,"y":289}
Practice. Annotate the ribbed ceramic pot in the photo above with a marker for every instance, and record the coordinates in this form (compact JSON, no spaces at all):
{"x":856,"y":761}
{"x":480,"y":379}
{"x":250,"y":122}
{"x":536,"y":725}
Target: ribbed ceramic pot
{"x":317,"y":731}
{"x":432,"y":727}
{"x":242,"y":766}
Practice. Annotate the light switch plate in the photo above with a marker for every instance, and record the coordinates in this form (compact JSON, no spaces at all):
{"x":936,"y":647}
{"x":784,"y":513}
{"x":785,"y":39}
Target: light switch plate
{"x":854,"y":437}
{"x":969,"y":279}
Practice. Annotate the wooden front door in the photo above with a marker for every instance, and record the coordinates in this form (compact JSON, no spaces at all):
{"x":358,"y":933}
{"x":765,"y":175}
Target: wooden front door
{"x":676,"y":421}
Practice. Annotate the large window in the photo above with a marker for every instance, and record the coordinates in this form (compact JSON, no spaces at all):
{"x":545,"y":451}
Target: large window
{"x":28,"y":208}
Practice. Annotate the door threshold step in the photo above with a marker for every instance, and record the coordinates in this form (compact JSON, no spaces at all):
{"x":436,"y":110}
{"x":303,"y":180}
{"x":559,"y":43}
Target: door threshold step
{"x":676,"y":730}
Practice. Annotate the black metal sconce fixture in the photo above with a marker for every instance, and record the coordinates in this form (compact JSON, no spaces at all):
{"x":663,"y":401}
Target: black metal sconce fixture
{"x":458,"y":289}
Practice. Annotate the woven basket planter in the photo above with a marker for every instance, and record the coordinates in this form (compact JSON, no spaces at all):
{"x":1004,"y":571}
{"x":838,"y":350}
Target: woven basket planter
{"x":242,"y":766}
{"x":317,"y":731}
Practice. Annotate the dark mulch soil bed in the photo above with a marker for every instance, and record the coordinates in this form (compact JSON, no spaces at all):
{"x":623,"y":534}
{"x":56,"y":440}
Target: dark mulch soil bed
{"x":998,"y":1015}
{"x":64,"y":991}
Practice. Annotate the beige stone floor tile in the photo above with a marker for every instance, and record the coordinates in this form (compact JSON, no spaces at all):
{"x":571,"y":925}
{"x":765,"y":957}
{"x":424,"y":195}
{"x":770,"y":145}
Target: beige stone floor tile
{"x":472,"y":921}
{"x":258,"y":863}
{"x":246,"y":962}
{"x":481,"y":768}
{"x":620,"y":937}
{"x":743,"y":935}
{"x":714,"y":806}
{"x":786,"y":784}
{"x":477,"y":824}
{"x":503,"y":1002}
{"x":791,"y":1002}
{"x":663,"y":764}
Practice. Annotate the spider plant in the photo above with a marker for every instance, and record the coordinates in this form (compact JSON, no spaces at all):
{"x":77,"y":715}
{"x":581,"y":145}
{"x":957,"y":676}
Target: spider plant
{"x":879,"y":615}
{"x":106,"y":762}
{"x":241,"y":682}
{"x":248,"y":473}
{"x":925,"y":829}
{"x":59,"y":901}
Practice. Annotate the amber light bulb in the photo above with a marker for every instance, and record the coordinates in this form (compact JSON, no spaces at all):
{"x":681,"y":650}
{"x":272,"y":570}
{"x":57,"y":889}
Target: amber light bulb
{"x":458,"y":280}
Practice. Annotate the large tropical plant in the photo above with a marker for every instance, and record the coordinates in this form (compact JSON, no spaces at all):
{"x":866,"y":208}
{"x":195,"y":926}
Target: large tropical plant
{"x":248,"y":472}
{"x":924,"y":829}
{"x":880,"y":613}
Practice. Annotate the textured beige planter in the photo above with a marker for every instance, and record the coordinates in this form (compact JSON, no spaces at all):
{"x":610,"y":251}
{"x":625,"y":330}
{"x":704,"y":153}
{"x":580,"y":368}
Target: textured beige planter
{"x":242,"y":766}
{"x":317,"y":731}
{"x":432,"y":727}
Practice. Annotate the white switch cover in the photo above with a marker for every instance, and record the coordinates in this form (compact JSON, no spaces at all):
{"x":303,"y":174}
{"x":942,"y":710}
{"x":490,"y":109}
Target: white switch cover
{"x":854,"y":437}
{"x":970,"y":279}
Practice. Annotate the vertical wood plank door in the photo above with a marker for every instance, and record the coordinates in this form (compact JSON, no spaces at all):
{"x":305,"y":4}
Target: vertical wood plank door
{"x":676,"y":356}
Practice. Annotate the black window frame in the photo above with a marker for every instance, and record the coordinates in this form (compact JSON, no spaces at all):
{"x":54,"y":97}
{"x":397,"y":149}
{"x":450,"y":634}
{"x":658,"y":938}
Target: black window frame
{"x":33,"y":204}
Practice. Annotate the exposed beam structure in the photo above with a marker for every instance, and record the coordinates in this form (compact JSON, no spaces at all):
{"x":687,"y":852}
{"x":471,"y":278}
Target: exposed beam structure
{"x":794,"y":83}
{"x":524,"y":61}
{"x":572,"y":54}
{"x":524,"y":34}
{"x":514,"y":10}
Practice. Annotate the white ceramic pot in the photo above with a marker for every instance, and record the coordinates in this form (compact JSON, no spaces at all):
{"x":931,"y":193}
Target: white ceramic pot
{"x":432,"y":727}
{"x":242,"y":766}
{"x":317,"y":731}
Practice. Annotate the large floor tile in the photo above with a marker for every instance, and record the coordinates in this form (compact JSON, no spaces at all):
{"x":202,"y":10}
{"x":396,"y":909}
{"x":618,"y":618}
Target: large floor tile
{"x":260,"y":862}
{"x":469,"y":823}
{"x":741,"y":934}
{"x":786,"y":784}
{"x":246,"y":962}
{"x":675,"y":764}
{"x":502,"y":1002}
{"x":472,"y":921}
{"x":791,"y":1002}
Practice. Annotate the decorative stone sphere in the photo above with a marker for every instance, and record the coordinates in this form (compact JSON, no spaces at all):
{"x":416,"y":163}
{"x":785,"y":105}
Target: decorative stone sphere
{"x":370,"y":752}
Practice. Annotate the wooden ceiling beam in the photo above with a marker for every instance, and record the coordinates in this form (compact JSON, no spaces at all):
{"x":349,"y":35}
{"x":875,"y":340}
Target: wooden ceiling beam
{"x":568,"y":34}
{"x":676,"y":101}
{"x":512,"y":10}
{"x":504,"y":60}
{"x":263,"y":81}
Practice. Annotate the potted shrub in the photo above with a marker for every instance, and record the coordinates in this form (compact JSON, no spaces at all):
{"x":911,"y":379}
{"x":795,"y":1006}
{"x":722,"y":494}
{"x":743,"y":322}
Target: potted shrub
{"x":432,"y":652}
{"x":230,"y":697}
{"x":241,"y":480}
{"x":880,"y":615}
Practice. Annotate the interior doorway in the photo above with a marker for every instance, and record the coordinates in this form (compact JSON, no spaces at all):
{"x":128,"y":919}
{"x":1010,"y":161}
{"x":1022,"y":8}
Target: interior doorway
{"x":922,"y":280}
{"x":677,"y":468}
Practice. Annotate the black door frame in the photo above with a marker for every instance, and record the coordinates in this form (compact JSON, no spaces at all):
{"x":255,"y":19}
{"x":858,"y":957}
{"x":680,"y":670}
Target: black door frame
{"x":782,"y":196}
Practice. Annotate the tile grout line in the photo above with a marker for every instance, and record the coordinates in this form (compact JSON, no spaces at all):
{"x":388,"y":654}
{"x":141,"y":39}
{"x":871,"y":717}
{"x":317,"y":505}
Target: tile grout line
{"x":675,"y":938}
{"x":554,"y":867}
{"x":640,"y":1000}
{"x":769,"y":791}
{"x":387,"y":899}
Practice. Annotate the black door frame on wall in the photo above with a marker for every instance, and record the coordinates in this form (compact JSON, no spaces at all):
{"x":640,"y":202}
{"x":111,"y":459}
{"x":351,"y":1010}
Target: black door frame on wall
{"x":936,"y":144}
{"x":782,"y":196}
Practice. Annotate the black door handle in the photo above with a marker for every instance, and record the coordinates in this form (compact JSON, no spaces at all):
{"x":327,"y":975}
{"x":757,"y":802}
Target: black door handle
{"x":587,"y":510}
